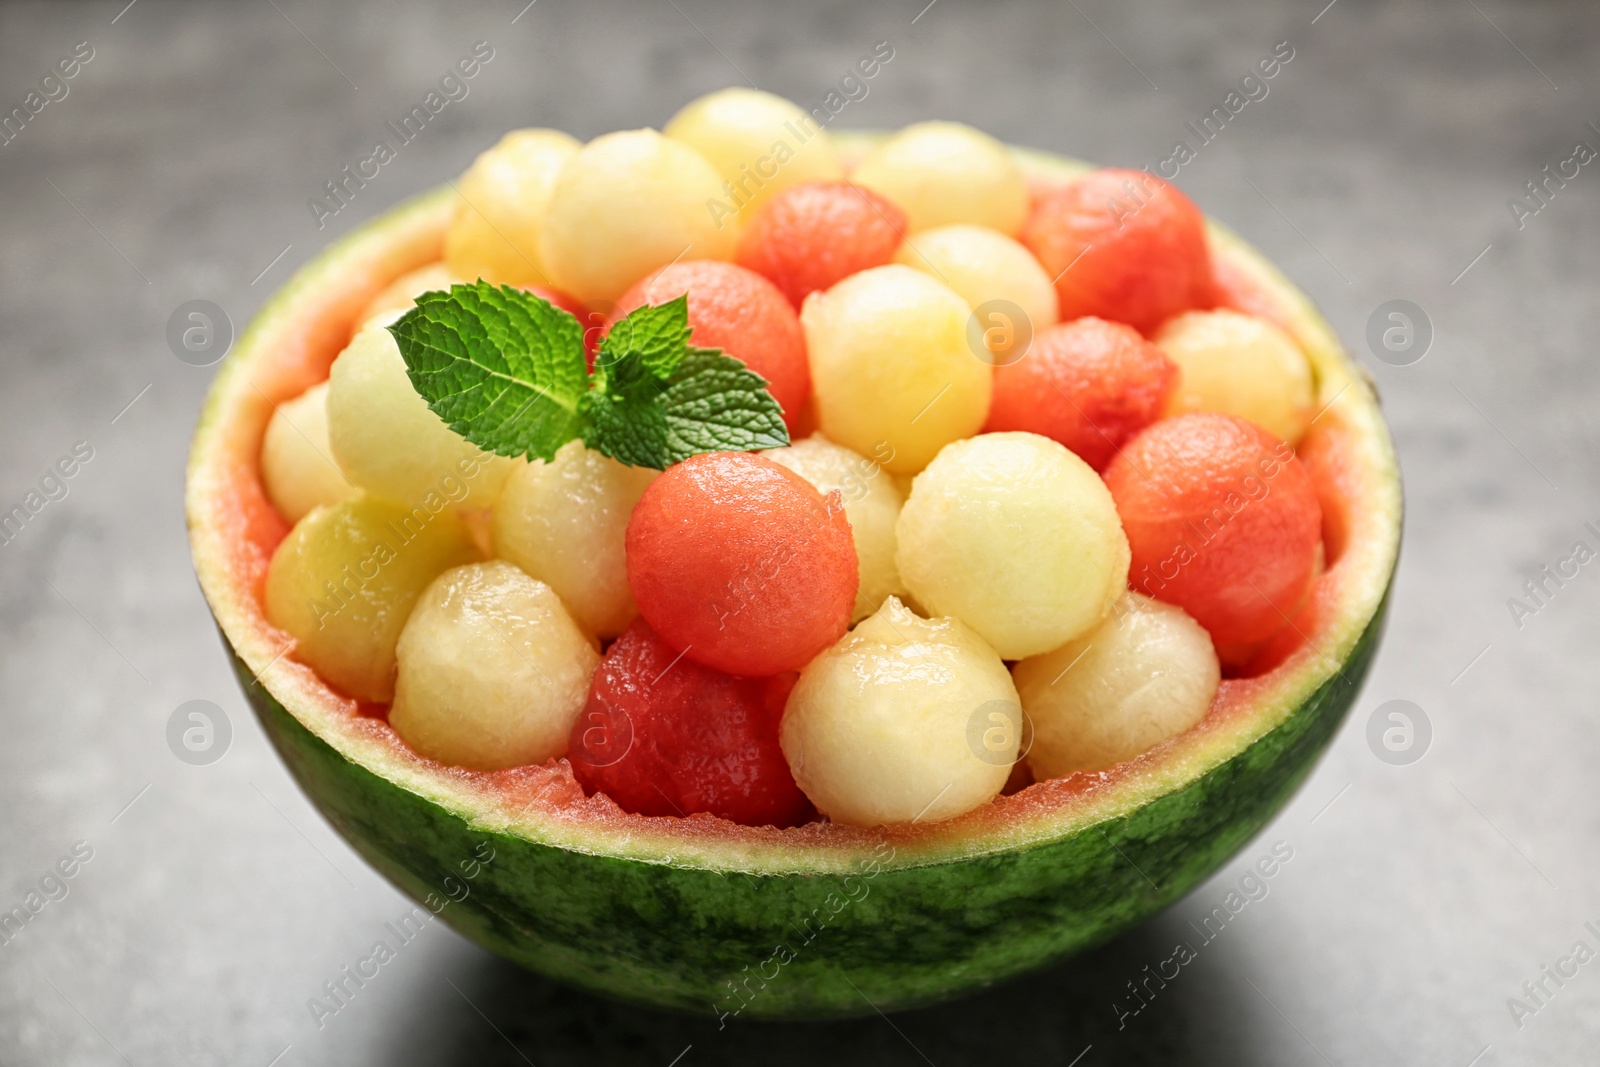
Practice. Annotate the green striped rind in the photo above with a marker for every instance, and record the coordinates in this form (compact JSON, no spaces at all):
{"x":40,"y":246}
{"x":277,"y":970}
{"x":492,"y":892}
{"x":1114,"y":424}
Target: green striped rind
{"x":665,"y":912}
{"x":885,"y":938}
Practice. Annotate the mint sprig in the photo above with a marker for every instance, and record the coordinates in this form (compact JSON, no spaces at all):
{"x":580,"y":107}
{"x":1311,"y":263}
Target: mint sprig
{"x":505,"y":369}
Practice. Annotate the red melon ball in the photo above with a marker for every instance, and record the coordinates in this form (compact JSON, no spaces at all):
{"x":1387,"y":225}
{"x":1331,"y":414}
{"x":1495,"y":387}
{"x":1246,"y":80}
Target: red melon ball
{"x":1089,"y":383}
{"x":1223,"y":521}
{"x":1123,"y":245}
{"x":664,"y":735}
{"x":814,"y":234}
{"x":741,"y":563}
{"x":740,"y":312}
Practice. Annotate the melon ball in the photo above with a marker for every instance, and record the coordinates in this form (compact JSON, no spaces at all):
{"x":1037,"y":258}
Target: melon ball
{"x":737,"y":310}
{"x":297,"y":464}
{"x":758,"y":143}
{"x":813,"y":235}
{"x":943,"y":173}
{"x":564,"y":522}
{"x":871,"y":504}
{"x":626,"y":204}
{"x":502,"y":205}
{"x":1015,"y":536}
{"x":741,"y":563}
{"x":401,"y":293}
{"x":388,"y":442}
{"x":1239,"y":365}
{"x":891,"y":368}
{"x":885,"y":726}
{"x":993,"y":273}
{"x":343,"y":583}
{"x":1145,"y":674}
{"x":492,"y":670}
{"x":1224,"y":522}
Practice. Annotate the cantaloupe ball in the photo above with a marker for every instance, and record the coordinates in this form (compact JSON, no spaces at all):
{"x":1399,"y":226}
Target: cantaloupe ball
{"x":991,"y":271}
{"x":880,"y":727}
{"x":343,"y":583}
{"x":501,"y":205}
{"x":871,"y":504}
{"x":492,"y":670}
{"x":626,"y":204}
{"x":386,"y":440}
{"x":1147,"y":673}
{"x":1017,"y":537}
{"x":297,"y":464}
{"x":891,"y":367}
{"x":401,"y":293}
{"x":564,"y":522}
{"x":1240,"y":365}
{"x":758,"y":143}
{"x":943,"y":172}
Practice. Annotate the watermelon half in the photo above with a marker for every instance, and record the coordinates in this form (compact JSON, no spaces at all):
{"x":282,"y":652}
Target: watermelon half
{"x":706,"y":915}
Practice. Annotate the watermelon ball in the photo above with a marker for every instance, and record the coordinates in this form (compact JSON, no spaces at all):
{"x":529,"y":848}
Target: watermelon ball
{"x":1223,"y":521}
{"x":1239,"y":365}
{"x":492,"y":670}
{"x":754,"y":140}
{"x":741,"y":563}
{"x":892,"y":367}
{"x":943,"y":173}
{"x":501,"y":206}
{"x":815,"y":234}
{"x":1123,"y":245}
{"x":1016,"y":537}
{"x":1089,"y":383}
{"x":663,"y":735}
{"x":1145,"y":674}
{"x":297,"y":467}
{"x":624,"y":205}
{"x":737,"y":310}
{"x":887,"y":726}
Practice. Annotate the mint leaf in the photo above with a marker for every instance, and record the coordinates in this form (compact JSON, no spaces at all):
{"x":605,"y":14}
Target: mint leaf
{"x":505,"y":369}
{"x":714,"y":403}
{"x":653,"y":337}
{"x":500,"y":366}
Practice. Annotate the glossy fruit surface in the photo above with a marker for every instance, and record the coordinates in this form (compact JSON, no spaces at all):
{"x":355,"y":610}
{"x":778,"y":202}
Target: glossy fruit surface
{"x":943,"y":173}
{"x":501,"y":206}
{"x":663,"y":735}
{"x":1239,"y":365}
{"x":741,"y":563}
{"x":816,"y":234}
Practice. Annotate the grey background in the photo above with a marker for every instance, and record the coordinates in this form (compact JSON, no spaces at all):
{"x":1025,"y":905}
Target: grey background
{"x":1419,"y":897}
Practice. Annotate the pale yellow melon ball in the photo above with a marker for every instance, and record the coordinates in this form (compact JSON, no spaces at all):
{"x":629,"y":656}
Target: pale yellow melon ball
{"x":758,"y":143}
{"x":1017,"y":537}
{"x":401,"y":293}
{"x":1239,"y":365}
{"x":993,"y":273}
{"x":565,"y":523}
{"x":871,"y":504}
{"x":891,"y":368}
{"x":1147,"y":673}
{"x":887,"y":725}
{"x":297,"y":464}
{"x":343,"y":583}
{"x":492,"y":670}
{"x":627,"y":204}
{"x":944,"y":172}
{"x":389,"y":443}
{"x":500,"y":208}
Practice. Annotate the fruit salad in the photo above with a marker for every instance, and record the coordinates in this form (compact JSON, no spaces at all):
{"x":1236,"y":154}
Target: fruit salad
{"x":906,"y":484}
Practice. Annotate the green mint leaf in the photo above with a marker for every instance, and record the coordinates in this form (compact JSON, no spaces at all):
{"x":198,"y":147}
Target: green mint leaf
{"x":653,"y":338}
{"x":714,"y":403}
{"x":502,"y":367}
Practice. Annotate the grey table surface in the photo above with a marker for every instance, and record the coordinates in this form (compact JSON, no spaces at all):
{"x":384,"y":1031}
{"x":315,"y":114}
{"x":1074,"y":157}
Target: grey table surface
{"x":1381,"y":165}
